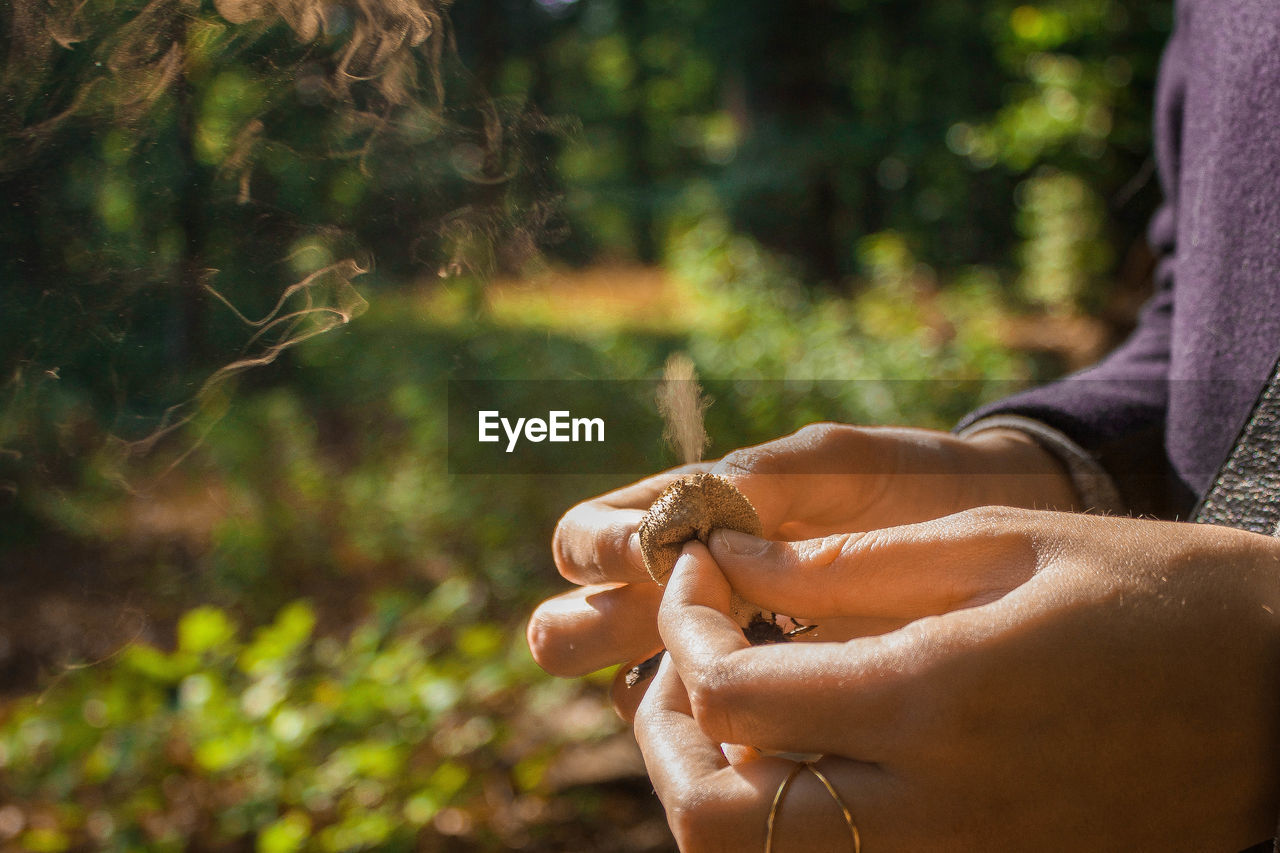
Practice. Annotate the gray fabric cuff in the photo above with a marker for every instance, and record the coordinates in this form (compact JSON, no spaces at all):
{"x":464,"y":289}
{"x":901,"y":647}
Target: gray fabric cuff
{"x":1094,"y":486}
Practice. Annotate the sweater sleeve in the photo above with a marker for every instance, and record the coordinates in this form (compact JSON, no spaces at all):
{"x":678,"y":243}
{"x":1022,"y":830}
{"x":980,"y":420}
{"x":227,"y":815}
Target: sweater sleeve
{"x":1116,"y":410}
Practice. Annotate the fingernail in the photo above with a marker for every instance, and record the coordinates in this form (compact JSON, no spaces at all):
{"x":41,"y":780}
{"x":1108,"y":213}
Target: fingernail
{"x":737,"y":542}
{"x":634,"y":552}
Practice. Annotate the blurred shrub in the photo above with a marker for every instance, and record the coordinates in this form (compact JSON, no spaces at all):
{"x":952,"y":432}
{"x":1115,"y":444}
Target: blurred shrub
{"x":816,"y":123}
{"x":396,"y":736}
{"x":904,"y":350}
{"x":1064,"y":254}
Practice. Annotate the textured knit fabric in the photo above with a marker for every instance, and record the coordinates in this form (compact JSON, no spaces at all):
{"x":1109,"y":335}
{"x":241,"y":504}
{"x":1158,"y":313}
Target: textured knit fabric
{"x":1161,"y":413}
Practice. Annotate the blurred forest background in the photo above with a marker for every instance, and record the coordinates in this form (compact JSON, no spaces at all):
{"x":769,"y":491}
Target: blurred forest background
{"x":244,"y":605}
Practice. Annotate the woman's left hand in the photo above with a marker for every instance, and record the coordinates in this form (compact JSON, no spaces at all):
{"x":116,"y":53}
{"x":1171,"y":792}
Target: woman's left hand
{"x":1117,"y":689}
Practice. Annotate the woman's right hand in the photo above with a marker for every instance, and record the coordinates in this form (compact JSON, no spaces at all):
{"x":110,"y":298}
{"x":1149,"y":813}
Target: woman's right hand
{"x":823,"y":479}
{"x":1066,"y":682}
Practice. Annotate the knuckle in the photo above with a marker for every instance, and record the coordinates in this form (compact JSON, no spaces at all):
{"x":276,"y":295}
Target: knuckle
{"x":988,"y":518}
{"x":849,"y":546}
{"x":692,"y":833}
{"x":814,"y":561}
{"x":817,"y":434}
{"x":997,"y":531}
{"x":1000,"y":548}
{"x":746,"y":460}
{"x":689,"y":826}
{"x":717,"y":702}
{"x":778,"y":456}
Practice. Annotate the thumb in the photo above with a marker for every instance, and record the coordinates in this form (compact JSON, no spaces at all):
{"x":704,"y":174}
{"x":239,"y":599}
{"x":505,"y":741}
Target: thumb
{"x":899,"y":572}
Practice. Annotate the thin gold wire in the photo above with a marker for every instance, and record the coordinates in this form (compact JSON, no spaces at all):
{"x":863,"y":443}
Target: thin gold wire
{"x":777,"y":802}
{"x":844,"y":810}
{"x":831,"y":789}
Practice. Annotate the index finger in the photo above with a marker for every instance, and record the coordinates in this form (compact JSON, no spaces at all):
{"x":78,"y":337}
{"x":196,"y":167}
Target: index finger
{"x":713,"y":805}
{"x":596,"y":541}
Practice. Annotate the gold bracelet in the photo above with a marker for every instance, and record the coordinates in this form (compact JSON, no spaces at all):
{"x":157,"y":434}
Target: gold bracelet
{"x":844,"y":810}
{"x":826,"y":783}
{"x":777,"y":801}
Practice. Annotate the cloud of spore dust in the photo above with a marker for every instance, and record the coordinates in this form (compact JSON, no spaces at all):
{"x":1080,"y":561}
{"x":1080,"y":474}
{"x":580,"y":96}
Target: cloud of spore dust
{"x":683,"y":407}
{"x":210,"y":90}
{"x":155,"y":247}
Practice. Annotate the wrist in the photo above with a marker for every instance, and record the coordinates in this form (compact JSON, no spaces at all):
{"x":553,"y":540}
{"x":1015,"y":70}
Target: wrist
{"x":1010,"y":465}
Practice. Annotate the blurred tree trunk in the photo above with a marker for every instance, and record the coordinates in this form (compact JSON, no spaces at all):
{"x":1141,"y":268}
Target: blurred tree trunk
{"x":790,"y":85}
{"x":186,"y":341}
{"x":635,"y":131}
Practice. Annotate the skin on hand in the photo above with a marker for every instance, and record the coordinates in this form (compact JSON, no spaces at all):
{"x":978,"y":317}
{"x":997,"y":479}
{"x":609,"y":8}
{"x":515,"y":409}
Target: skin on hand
{"x":714,"y":806}
{"x":1120,"y":694}
{"x":824,"y":479}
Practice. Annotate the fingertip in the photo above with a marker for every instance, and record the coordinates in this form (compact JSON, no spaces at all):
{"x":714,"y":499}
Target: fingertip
{"x":694,"y":547}
{"x":545,"y":643}
{"x":650,"y":698}
{"x":696,"y":579}
{"x":694,"y":618}
{"x":595,"y":544}
{"x":667,"y":689}
{"x":630,"y":685}
{"x":588,"y":628}
{"x":729,"y":544}
{"x":695,"y":551}
{"x":736,"y":753}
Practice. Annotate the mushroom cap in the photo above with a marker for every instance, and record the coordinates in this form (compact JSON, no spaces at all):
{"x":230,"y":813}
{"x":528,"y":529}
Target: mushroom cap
{"x":690,"y":508}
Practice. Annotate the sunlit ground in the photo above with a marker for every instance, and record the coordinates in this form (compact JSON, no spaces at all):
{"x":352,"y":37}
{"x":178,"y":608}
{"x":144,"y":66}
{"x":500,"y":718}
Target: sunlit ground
{"x":597,"y":301}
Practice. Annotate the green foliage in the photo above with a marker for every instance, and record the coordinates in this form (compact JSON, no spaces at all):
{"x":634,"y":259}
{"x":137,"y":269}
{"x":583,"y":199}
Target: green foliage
{"x":904,"y":350}
{"x":1064,"y":254}
{"x":284,"y":740}
{"x":192,"y":196}
{"x":817,"y":123}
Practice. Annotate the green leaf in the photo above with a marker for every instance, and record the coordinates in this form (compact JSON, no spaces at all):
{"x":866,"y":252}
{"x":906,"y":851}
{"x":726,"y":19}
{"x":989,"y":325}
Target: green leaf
{"x":285,"y":835}
{"x":44,"y":840}
{"x":274,"y":646}
{"x":226,"y":751}
{"x":359,"y":831}
{"x":205,"y":629}
{"x":448,"y":779}
{"x":480,"y":641}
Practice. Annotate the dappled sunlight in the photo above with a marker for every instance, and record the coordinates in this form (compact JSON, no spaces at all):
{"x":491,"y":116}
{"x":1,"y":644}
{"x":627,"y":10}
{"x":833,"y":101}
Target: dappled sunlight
{"x":599,"y":300}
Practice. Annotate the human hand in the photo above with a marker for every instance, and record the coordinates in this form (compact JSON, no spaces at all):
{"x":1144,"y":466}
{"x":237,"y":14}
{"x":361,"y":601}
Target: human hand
{"x":824,"y":479}
{"x":1118,"y":693}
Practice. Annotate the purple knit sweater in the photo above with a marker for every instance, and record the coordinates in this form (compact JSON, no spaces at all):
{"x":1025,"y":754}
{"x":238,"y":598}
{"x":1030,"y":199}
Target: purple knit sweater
{"x":1161,"y":412}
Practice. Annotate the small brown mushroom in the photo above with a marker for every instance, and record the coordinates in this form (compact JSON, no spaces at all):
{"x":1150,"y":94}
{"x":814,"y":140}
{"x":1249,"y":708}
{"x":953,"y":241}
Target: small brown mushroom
{"x":688,"y":509}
